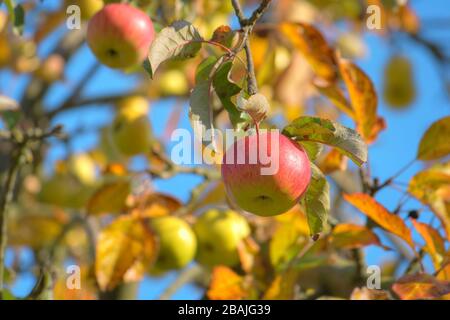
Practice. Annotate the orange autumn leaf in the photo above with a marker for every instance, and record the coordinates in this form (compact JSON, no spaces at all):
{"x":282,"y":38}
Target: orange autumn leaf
{"x":226,"y":285}
{"x":375,"y":211}
{"x":363,"y":99}
{"x":420,"y":286}
{"x":352,"y":236}
{"x":122,"y":246}
{"x":434,"y":243}
{"x":333,"y":161}
{"x":311,"y":43}
{"x":444,"y":272}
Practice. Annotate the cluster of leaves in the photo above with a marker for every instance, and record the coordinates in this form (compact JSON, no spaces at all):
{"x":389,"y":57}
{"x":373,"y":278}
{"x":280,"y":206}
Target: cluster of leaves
{"x":95,"y":209}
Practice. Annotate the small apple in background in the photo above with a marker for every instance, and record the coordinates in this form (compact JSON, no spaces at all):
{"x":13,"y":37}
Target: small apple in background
{"x":399,"y":89}
{"x":51,"y":69}
{"x":271,"y":194}
{"x":120,"y":35}
{"x":173,"y":83}
{"x":219,"y":234}
{"x":83,"y":167}
{"x":177,"y":243}
{"x":87,"y":7}
{"x":131,"y":129}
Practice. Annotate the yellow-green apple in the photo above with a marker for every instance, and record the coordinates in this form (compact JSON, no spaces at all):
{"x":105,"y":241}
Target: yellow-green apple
{"x":219,"y":234}
{"x":398,"y":88}
{"x":83,"y":167}
{"x":87,"y":7}
{"x":266,"y":174}
{"x":120,"y":35}
{"x":177,"y":243}
{"x":131,"y":129}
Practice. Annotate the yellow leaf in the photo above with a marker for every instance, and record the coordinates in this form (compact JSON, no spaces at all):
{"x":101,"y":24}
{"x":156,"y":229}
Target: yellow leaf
{"x":109,"y":198}
{"x":352,"y":236}
{"x":157,"y":205}
{"x":363,"y":100}
{"x":127,"y":241}
{"x":333,"y":161}
{"x":435,"y":143}
{"x":336,"y":96}
{"x":291,"y":228}
{"x":375,"y":211}
{"x":420,"y":286}
{"x":283,"y":286}
{"x":434,"y":243}
{"x":226,"y":285}
{"x":311,"y":43}
{"x":432,"y":187}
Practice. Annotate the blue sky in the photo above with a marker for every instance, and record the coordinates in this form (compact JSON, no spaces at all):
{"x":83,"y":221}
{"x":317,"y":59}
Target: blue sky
{"x":396,"y":146}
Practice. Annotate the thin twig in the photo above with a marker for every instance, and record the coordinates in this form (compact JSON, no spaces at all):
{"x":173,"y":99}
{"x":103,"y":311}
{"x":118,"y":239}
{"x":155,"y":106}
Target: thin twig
{"x":247,"y":26}
{"x":185,"y":276}
{"x":5,"y":200}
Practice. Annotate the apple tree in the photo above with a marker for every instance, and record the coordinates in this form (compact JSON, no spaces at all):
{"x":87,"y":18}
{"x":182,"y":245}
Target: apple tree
{"x":287,"y":79}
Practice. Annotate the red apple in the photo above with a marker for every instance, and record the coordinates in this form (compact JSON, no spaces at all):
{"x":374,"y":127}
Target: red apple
{"x":256,"y":188}
{"x":120,"y":35}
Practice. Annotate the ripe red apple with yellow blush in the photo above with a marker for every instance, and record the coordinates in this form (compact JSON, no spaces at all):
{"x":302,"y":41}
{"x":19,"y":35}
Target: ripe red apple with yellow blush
{"x":266,"y":174}
{"x":120,"y":35}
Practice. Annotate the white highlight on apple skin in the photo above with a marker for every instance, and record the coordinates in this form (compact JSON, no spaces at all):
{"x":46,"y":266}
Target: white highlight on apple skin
{"x":188,"y":149}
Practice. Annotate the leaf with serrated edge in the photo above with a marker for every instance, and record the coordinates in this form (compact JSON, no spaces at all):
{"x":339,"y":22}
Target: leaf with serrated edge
{"x":331,"y":133}
{"x":375,"y":211}
{"x":180,"y":40}
{"x":316,"y":201}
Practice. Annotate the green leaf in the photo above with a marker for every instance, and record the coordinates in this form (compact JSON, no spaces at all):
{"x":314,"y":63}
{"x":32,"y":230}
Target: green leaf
{"x":200,"y":110}
{"x":325,"y":131}
{"x":313,"y":149}
{"x":204,"y":69}
{"x":180,"y":40}
{"x":435,"y":142}
{"x":316,"y":201}
{"x":226,"y":89}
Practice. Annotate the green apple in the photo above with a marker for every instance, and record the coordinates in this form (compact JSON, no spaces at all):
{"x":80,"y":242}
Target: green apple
{"x":83,"y":167}
{"x":177,"y":243}
{"x":131,"y":129}
{"x":219,"y":234}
